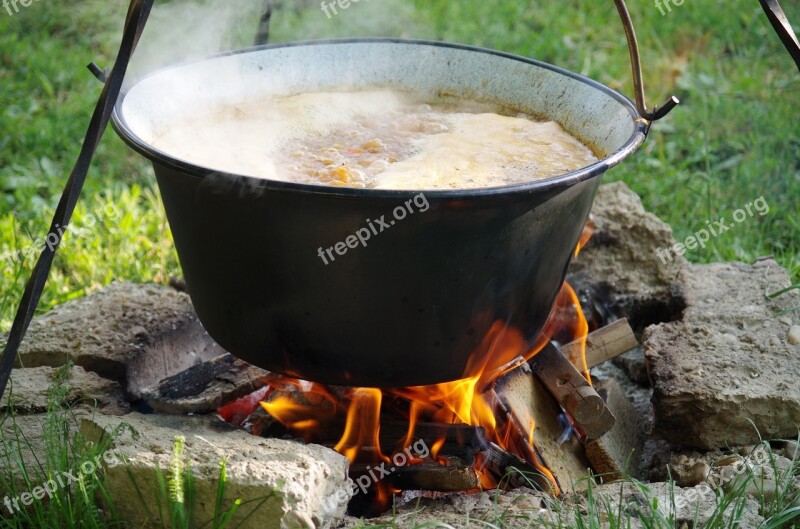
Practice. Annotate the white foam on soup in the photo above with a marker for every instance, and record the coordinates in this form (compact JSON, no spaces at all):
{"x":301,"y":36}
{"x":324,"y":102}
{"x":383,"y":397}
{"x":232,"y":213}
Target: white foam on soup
{"x":374,"y":139}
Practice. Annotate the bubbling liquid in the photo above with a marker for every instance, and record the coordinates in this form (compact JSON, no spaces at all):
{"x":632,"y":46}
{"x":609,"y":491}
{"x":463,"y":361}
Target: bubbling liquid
{"x":380,"y":139}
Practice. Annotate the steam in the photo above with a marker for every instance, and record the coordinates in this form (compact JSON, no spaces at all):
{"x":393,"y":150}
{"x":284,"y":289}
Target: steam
{"x":181,"y":31}
{"x":185,"y":30}
{"x":365,"y":18}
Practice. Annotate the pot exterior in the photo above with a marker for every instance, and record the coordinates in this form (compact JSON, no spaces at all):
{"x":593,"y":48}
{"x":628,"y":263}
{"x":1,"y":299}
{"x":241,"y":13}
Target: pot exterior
{"x":275,"y":270}
{"x":410,"y":308}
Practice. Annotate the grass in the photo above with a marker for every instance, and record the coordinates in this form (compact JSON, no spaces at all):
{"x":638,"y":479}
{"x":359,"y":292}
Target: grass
{"x":85,"y":502}
{"x":733,"y":140}
{"x":25,"y":465}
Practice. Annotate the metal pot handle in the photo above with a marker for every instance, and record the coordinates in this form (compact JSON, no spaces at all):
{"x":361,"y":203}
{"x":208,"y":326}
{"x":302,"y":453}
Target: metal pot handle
{"x":638,"y":85}
{"x":784,"y":29}
{"x":636,"y":65}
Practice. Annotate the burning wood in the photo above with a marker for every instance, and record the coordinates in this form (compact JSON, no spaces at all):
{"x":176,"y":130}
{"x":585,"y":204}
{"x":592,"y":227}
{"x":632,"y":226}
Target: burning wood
{"x":513,"y":471}
{"x":436,"y":478}
{"x":604,"y":344}
{"x":526,"y":398}
{"x":205,"y":387}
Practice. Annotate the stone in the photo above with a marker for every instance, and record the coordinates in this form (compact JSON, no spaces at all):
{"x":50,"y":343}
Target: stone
{"x":791,"y":450}
{"x":633,"y":363}
{"x":794,"y":335}
{"x":762,"y":473}
{"x":205,"y":387}
{"x":133,"y":334}
{"x":679,"y":504}
{"x":716,"y":370}
{"x":28,"y":391}
{"x":622,"y":257}
{"x":689,"y":469}
{"x":288,"y":484}
{"x":699,"y":473}
{"x":618,"y":452}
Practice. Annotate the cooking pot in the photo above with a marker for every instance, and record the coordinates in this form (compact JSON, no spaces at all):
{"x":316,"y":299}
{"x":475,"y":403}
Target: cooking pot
{"x":412,"y":306}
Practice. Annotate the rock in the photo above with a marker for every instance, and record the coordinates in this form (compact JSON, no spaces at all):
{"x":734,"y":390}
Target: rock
{"x":688,"y":470}
{"x":622,"y":256}
{"x":791,"y":450}
{"x":759,"y":482}
{"x":133,"y":334}
{"x":288,"y":484}
{"x":746,"y":450}
{"x":716,"y":370}
{"x":633,"y":364}
{"x":794,"y":335}
{"x":205,"y":387}
{"x":765,"y":490}
{"x":699,"y":474}
{"x":762,"y":474}
{"x":28,"y":391}
{"x":618,"y":452}
{"x":680,"y":505}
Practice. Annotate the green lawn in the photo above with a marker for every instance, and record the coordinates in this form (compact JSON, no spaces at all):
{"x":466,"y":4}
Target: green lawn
{"x":734,"y":139}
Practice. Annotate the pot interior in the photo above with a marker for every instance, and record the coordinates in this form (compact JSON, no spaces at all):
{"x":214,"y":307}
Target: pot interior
{"x":601,"y":118}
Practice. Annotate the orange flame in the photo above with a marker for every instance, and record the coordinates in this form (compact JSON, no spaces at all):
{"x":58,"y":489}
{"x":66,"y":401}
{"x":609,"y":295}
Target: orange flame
{"x":363,"y":427}
{"x":307,"y":407}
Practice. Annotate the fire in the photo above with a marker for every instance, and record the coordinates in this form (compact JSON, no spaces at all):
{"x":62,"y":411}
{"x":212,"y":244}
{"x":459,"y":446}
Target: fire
{"x":363,"y":427}
{"x":307,"y":408}
{"x":311,"y":409}
{"x":303,"y":407}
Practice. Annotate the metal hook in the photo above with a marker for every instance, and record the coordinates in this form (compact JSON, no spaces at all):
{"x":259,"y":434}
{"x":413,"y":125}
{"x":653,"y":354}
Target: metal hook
{"x":262,"y":37}
{"x":783,"y":27}
{"x":636,"y":65}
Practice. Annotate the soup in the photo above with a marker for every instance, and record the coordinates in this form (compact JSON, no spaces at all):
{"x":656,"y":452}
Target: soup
{"x":379,"y":139}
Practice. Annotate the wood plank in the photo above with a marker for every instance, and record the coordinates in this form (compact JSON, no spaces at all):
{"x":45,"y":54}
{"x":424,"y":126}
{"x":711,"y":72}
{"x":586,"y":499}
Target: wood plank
{"x":512,"y":472}
{"x":527,"y":398}
{"x":435,"y":478}
{"x":618,"y":453}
